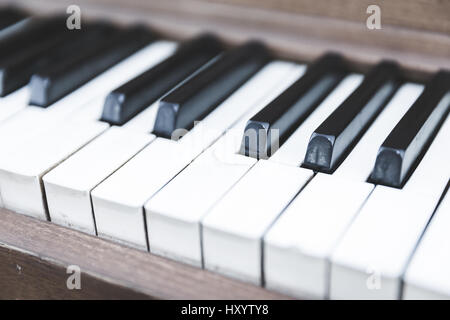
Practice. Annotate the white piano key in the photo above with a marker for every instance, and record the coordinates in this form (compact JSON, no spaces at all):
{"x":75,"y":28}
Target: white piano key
{"x":234,"y":227}
{"x":13,"y":103}
{"x":292,"y":151}
{"x":118,"y":201}
{"x":311,"y":226}
{"x":297,"y":247}
{"x":198,"y":187}
{"x":371,"y":258}
{"x":68,"y":186}
{"x":22,"y":169}
{"x":427,"y":274}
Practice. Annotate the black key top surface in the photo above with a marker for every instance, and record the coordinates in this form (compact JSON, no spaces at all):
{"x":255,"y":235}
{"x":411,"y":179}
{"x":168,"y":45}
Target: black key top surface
{"x":62,"y":78}
{"x":335,"y":137}
{"x":131,"y":98}
{"x":193,"y":100}
{"x":17,"y":70}
{"x":9,"y":16}
{"x":408,"y":141}
{"x":271,"y":126}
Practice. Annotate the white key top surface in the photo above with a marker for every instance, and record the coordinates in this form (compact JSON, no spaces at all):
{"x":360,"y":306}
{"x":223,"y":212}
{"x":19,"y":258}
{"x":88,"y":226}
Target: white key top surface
{"x":22,"y":169}
{"x":198,"y":187}
{"x":233,"y":229}
{"x":372,"y":256}
{"x":427,"y":274}
{"x":118,"y":201}
{"x":292,"y":151}
{"x":68,"y":186}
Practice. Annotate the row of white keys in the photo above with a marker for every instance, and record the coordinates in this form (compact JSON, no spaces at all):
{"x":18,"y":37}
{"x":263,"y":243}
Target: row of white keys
{"x":371,"y":258}
{"x":298,"y":246}
{"x":202,"y":184}
{"x":118,"y":201}
{"x":213,"y":235}
{"x":427,"y":273}
{"x":52,"y":127}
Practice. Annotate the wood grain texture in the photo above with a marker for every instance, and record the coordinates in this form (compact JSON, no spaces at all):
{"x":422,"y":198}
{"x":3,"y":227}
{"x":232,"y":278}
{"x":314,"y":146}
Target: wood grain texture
{"x":293,"y":31}
{"x":34,"y":256}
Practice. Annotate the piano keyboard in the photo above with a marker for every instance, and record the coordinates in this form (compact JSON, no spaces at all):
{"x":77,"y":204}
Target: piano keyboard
{"x":308,"y":179}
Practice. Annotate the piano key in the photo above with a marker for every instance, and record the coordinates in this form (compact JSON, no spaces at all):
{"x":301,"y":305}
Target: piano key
{"x":68,"y":186}
{"x":198,"y":96}
{"x":131,"y":98}
{"x":86,"y":102}
{"x":409,"y":139}
{"x":291,"y":108}
{"x":293,"y":150}
{"x":204,"y":182}
{"x":427,"y":274}
{"x":233,"y":230}
{"x":370,"y":260}
{"x":333,"y":139}
{"x":299,"y":245}
{"x":37,"y":123}
{"x":119,"y":200}
{"x":60,"y":79}
{"x":20,"y":178}
{"x":16,"y":71}
{"x":13,"y":103}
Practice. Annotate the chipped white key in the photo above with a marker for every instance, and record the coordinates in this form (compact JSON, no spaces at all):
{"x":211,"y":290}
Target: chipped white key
{"x":309,"y":229}
{"x":427,"y":274}
{"x":198,"y":187}
{"x":118,"y":201}
{"x":68,"y":186}
{"x":234,"y":227}
{"x":370,"y":260}
{"x":22,"y":169}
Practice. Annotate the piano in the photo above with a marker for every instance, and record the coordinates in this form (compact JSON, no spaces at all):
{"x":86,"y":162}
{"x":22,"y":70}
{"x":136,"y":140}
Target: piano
{"x":225,"y":149}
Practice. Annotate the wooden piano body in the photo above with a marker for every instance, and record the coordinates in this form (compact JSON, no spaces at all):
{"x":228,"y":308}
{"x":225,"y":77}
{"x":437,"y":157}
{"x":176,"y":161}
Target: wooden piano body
{"x":34,"y":254}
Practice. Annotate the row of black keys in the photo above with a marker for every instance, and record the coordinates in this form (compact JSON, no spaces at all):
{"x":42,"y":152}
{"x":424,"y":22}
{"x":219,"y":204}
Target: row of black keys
{"x":55,"y":61}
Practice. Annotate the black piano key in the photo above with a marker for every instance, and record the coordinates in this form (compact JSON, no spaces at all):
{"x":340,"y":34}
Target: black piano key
{"x":408,"y":141}
{"x":335,"y":137}
{"x":198,"y":96}
{"x":128,"y":100}
{"x":16,"y":71}
{"x":9,"y":16}
{"x":31,"y":32}
{"x":62,"y":78}
{"x":292,"y":107}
